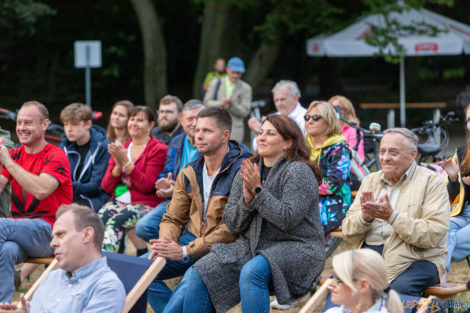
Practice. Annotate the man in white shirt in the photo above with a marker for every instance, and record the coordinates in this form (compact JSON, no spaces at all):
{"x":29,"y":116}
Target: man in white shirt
{"x":286,"y":96}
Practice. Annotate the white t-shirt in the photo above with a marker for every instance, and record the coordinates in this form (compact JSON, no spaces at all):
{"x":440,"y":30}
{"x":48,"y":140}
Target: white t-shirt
{"x":207,"y":186}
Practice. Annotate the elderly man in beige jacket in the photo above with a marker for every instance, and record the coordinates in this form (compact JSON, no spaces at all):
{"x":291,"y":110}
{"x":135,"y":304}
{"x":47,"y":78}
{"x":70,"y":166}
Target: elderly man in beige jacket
{"x":403,"y":213}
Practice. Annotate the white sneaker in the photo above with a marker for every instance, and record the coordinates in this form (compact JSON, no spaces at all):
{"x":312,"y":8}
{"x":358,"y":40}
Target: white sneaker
{"x":277,"y":306}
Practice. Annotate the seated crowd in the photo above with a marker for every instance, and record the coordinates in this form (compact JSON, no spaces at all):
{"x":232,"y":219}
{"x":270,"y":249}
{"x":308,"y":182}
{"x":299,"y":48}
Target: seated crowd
{"x":238,"y":225}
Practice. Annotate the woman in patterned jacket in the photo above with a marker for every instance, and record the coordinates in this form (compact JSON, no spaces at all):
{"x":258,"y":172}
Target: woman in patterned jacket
{"x":329,"y":149}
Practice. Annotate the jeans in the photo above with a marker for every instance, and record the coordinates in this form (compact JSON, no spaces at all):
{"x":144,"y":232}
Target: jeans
{"x":196,"y":299}
{"x":419,"y":276}
{"x":458,"y":239}
{"x":20,"y":239}
{"x":148,"y":226}
{"x":158,"y":292}
{"x":255,"y":284}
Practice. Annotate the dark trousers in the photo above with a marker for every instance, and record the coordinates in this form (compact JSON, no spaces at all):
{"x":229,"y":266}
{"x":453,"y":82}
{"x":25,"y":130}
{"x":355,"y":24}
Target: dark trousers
{"x":419,"y":276}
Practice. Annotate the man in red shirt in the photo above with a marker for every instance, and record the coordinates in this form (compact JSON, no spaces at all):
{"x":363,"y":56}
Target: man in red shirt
{"x":40,"y":182}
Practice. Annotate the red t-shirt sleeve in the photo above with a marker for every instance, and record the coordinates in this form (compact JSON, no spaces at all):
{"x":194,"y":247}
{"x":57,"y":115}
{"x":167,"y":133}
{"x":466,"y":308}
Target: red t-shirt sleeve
{"x":57,"y":165}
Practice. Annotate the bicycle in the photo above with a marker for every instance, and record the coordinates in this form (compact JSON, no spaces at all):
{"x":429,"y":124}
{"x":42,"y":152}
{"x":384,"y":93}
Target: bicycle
{"x":433,"y":131}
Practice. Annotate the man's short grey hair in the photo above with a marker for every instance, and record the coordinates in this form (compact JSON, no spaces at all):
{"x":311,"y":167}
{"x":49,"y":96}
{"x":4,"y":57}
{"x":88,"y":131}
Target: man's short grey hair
{"x":193,"y":104}
{"x":291,"y":85}
{"x":405,"y":132}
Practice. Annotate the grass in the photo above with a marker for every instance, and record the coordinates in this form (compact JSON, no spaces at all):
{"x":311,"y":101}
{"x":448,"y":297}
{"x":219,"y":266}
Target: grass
{"x":459,"y":274}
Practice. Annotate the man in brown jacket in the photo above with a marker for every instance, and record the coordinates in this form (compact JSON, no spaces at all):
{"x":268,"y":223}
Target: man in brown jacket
{"x":193,"y":221}
{"x":402,"y":212}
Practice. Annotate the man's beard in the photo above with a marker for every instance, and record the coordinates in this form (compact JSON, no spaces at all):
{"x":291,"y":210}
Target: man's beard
{"x":167,"y":126}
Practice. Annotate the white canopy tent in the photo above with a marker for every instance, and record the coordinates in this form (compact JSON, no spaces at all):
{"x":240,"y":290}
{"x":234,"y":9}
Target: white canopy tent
{"x":350,"y":41}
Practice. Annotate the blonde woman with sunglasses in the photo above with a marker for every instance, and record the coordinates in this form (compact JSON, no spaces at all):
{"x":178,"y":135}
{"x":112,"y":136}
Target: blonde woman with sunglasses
{"x":329,"y":149}
{"x":360,"y":284}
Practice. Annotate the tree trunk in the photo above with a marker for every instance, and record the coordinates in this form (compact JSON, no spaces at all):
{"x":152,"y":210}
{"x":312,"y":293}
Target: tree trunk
{"x":212,"y":35}
{"x":262,"y":61}
{"x":154,"y":52}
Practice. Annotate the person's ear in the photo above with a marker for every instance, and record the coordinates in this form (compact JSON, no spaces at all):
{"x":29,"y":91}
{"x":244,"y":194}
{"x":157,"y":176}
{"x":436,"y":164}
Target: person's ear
{"x":226,"y":133}
{"x":414,"y":153}
{"x":288,"y":144}
{"x":88,"y":124}
{"x":152,"y":124}
{"x":88,"y":234}
{"x":364,"y":286}
{"x":45,"y":124}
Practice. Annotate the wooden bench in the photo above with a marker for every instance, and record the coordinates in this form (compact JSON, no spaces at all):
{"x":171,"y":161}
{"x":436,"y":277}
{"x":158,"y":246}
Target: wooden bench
{"x":392,"y":106}
{"x":444,"y":293}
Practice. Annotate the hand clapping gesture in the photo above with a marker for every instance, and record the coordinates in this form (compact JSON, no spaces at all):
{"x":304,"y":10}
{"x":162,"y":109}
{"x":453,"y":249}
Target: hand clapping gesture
{"x":451,"y":167}
{"x":372,"y":209}
{"x":251,"y":180}
{"x":118,"y":152}
{"x":165,"y":186}
{"x":4,"y":154}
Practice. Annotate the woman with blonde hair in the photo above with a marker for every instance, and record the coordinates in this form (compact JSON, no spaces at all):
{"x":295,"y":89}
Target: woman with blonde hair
{"x":360,"y":284}
{"x":328,"y":148}
{"x":350,"y":133}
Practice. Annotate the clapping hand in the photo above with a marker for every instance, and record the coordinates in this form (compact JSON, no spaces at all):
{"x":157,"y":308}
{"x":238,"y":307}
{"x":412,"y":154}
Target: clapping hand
{"x":118,"y":152}
{"x":251,"y":180}
{"x":4,"y":154}
{"x":165,"y":186}
{"x":451,"y":167}
{"x":372,"y":209}
{"x":166,"y":248}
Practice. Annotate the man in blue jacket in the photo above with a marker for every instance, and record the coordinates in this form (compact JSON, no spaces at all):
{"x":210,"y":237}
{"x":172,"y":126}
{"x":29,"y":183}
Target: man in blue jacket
{"x":181,"y":151}
{"x":86,"y":148}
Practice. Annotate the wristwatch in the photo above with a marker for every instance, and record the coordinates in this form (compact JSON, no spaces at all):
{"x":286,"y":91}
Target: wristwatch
{"x":258,"y":189}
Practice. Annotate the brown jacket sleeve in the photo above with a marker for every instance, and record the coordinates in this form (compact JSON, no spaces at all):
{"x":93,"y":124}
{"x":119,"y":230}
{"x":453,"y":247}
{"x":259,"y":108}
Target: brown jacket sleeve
{"x":177,"y":211}
{"x":202,"y":245}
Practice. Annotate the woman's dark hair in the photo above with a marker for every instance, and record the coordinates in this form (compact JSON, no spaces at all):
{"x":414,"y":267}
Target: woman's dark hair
{"x":298,"y":151}
{"x":144,"y":109}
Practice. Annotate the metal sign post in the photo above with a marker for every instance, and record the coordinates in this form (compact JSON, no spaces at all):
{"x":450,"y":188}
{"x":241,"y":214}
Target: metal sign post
{"x":87,"y":55}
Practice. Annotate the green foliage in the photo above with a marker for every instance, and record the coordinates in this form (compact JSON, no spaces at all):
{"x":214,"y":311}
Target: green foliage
{"x":22,"y":15}
{"x":386,"y":37}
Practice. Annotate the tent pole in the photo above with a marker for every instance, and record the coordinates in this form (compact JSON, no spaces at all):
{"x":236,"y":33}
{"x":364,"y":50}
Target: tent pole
{"x":402,"y":93}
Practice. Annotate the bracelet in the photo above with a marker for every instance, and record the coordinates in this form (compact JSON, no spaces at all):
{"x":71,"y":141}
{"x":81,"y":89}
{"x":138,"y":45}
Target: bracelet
{"x":129,"y":162}
{"x":185,"y":252}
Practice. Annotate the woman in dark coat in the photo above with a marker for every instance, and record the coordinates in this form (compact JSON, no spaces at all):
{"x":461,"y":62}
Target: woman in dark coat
{"x":273,"y":208}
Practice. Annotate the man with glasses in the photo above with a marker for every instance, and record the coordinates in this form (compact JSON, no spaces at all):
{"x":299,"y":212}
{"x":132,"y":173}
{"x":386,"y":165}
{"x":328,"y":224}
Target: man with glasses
{"x":169,"y":114}
{"x":232,"y":94}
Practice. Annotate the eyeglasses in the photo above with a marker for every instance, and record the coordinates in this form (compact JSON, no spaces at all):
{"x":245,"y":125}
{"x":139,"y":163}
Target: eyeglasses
{"x":164,"y":112}
{"x":315,"y":117}
{"x":336,"y":278}
{"x":339,"y":280}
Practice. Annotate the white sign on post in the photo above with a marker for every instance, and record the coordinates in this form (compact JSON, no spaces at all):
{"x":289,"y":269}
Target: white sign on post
{"x":87,"y":53}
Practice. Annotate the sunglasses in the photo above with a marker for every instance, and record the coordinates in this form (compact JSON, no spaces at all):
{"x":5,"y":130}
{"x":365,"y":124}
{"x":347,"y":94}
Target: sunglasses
{"x":315,"y":117}
{"x":336,"y":278}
